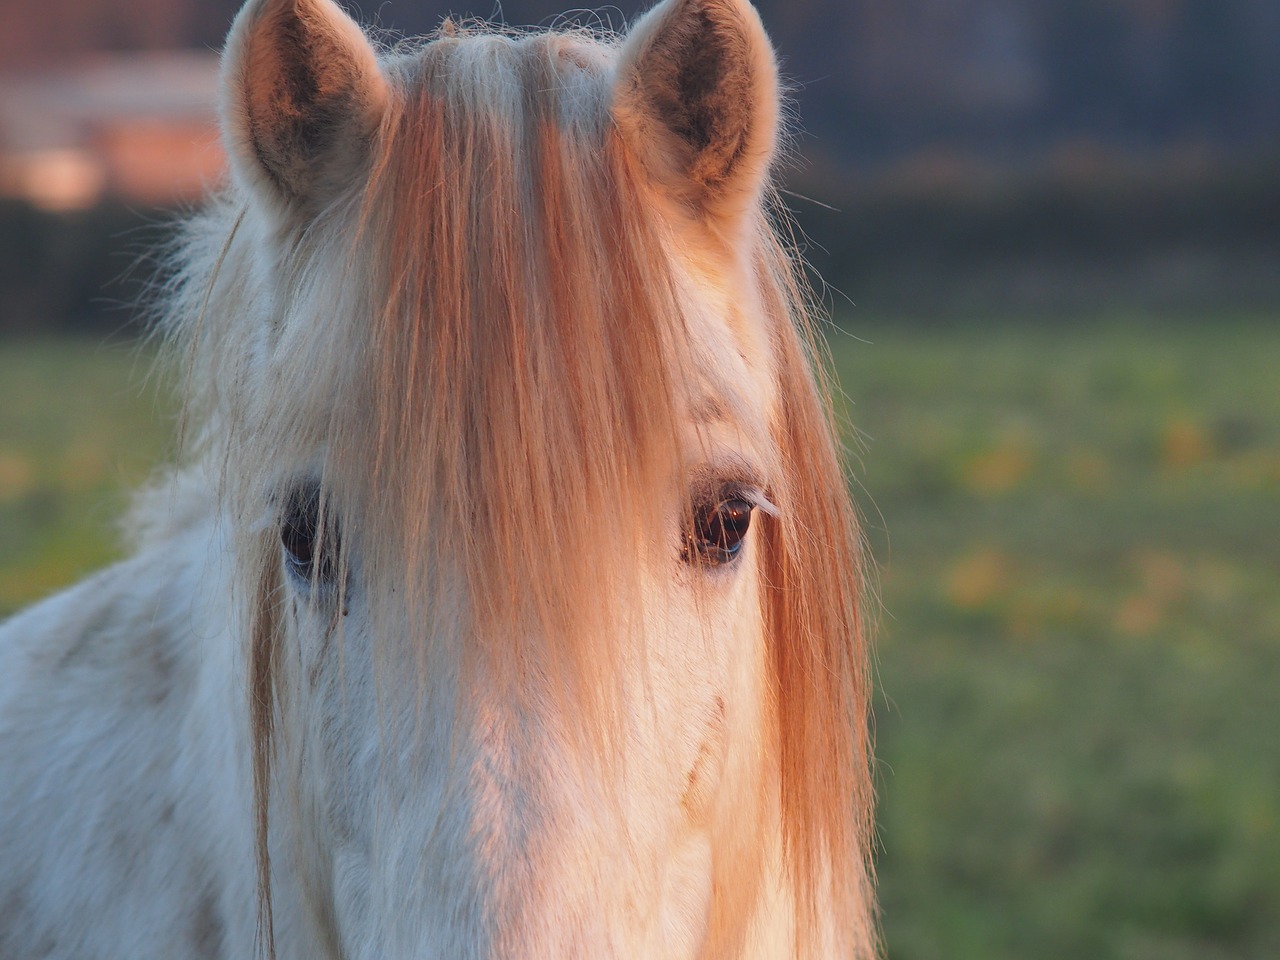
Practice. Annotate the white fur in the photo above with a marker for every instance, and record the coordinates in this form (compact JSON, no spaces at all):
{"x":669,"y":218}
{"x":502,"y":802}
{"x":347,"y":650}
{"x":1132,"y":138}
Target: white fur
{"x":418,"y":811}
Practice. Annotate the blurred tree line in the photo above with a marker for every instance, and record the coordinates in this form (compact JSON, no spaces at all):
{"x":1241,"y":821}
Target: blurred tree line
{"x":1028,"y":155}
{"x":77,"y":271}
{"x":876,"y":78}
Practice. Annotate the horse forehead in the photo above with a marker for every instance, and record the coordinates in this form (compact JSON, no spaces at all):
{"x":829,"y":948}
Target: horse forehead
{"x":730,"y":345}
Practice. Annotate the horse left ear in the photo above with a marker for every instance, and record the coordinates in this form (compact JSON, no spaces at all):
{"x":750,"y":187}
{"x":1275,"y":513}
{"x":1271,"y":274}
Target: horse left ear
{"x":302,"y":96}
{"x":696,"y":96}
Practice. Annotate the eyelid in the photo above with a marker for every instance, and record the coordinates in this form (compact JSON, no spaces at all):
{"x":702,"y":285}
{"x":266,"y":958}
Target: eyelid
{"x":728,"y":476}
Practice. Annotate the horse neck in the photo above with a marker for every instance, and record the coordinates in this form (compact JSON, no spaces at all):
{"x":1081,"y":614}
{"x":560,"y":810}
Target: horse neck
{"x":138,"y":679}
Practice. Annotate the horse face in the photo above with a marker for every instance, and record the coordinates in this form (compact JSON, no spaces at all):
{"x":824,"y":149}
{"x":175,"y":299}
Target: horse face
{"x":473,"y":762}
{"x":439,"y":810}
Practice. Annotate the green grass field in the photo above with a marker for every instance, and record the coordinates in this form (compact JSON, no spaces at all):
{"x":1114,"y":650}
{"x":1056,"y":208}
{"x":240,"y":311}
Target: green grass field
{"x":1077,"y":531}
{"x":79,"y":429}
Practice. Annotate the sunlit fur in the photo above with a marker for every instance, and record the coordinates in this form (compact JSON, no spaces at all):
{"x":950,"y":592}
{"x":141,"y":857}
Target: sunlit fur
{"x":521,"y":722}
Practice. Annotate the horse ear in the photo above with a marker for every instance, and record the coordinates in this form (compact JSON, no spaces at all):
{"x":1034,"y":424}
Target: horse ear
{"x":696,"y":96}
{"x":302,"y":96}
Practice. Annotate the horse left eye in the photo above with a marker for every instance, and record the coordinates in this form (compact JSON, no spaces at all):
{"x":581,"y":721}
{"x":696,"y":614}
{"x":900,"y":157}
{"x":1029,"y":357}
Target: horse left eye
{"x":310,"y":544}
{"x":718,"y":531}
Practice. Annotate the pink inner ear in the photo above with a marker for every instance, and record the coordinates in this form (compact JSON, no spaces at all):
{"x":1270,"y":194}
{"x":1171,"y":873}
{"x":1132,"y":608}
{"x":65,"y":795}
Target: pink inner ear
{"x":703,"y":71}
{"x":305,"y":92}
{"x":712,"y":95}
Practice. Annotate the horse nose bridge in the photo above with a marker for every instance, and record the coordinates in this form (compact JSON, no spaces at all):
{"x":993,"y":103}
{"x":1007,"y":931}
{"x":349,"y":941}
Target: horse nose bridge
{"x":588,"y":852}
{"x":577,"y":881}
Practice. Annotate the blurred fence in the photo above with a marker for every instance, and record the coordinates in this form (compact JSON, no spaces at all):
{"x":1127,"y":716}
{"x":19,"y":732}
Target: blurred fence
{"x":76,"y":271}
{"x":943,"y":240}
{"x":926,"y":241}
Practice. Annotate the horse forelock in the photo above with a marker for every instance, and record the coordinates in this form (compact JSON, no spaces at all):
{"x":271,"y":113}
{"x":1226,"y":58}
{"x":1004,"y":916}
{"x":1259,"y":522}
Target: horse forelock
{"x":483,"y":352}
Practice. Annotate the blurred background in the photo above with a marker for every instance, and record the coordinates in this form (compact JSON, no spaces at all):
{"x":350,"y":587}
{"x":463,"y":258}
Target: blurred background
{"x":1048,"y":233}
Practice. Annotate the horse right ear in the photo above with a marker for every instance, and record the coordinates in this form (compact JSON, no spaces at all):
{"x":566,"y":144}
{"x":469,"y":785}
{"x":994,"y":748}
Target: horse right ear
{"x":696,"y":97}
{"x":302,"y":97}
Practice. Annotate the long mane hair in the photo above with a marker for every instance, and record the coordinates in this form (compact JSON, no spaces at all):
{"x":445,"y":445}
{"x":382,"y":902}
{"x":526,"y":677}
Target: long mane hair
{"x":466,"y":440}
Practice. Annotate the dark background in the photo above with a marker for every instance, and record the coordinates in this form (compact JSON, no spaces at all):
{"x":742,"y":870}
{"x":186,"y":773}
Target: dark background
{"x":878,"y":79}
{"x":955,"y":158}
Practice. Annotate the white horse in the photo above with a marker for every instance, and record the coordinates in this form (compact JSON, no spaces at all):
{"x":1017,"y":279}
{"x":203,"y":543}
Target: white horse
{"x":506,"y":605}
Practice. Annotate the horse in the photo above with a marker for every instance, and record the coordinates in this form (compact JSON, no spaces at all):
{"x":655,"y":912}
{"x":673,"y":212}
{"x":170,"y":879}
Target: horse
{"x":505,"y":600}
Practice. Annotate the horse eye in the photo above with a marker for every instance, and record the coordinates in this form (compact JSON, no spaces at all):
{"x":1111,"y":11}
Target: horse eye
{"x":310,"y":546}
{"x":718,"y":531}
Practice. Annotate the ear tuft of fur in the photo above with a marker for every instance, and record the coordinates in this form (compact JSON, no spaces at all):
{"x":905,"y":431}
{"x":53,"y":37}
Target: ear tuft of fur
{"x":696,"y":95}
{"x":302,"y":95}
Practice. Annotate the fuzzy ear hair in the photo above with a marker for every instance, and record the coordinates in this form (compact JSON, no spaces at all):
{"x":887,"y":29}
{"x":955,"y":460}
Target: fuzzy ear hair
{"x":302,"y":96}
{"x":696,"y":96}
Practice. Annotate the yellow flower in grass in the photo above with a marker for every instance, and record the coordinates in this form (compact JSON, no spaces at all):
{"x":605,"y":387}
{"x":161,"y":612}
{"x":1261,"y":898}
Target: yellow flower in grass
{"x":17,"y":476}
{"x":1183,"y":444}
{"x":1165,"y":582}
{"x":1139,"y":615}
{"x":978,"y":579}
{"x":997,"y":471}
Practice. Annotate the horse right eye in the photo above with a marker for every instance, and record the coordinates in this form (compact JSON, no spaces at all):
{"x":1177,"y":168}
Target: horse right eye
{"x":310,"y":544}
{"x":718,"y":531}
